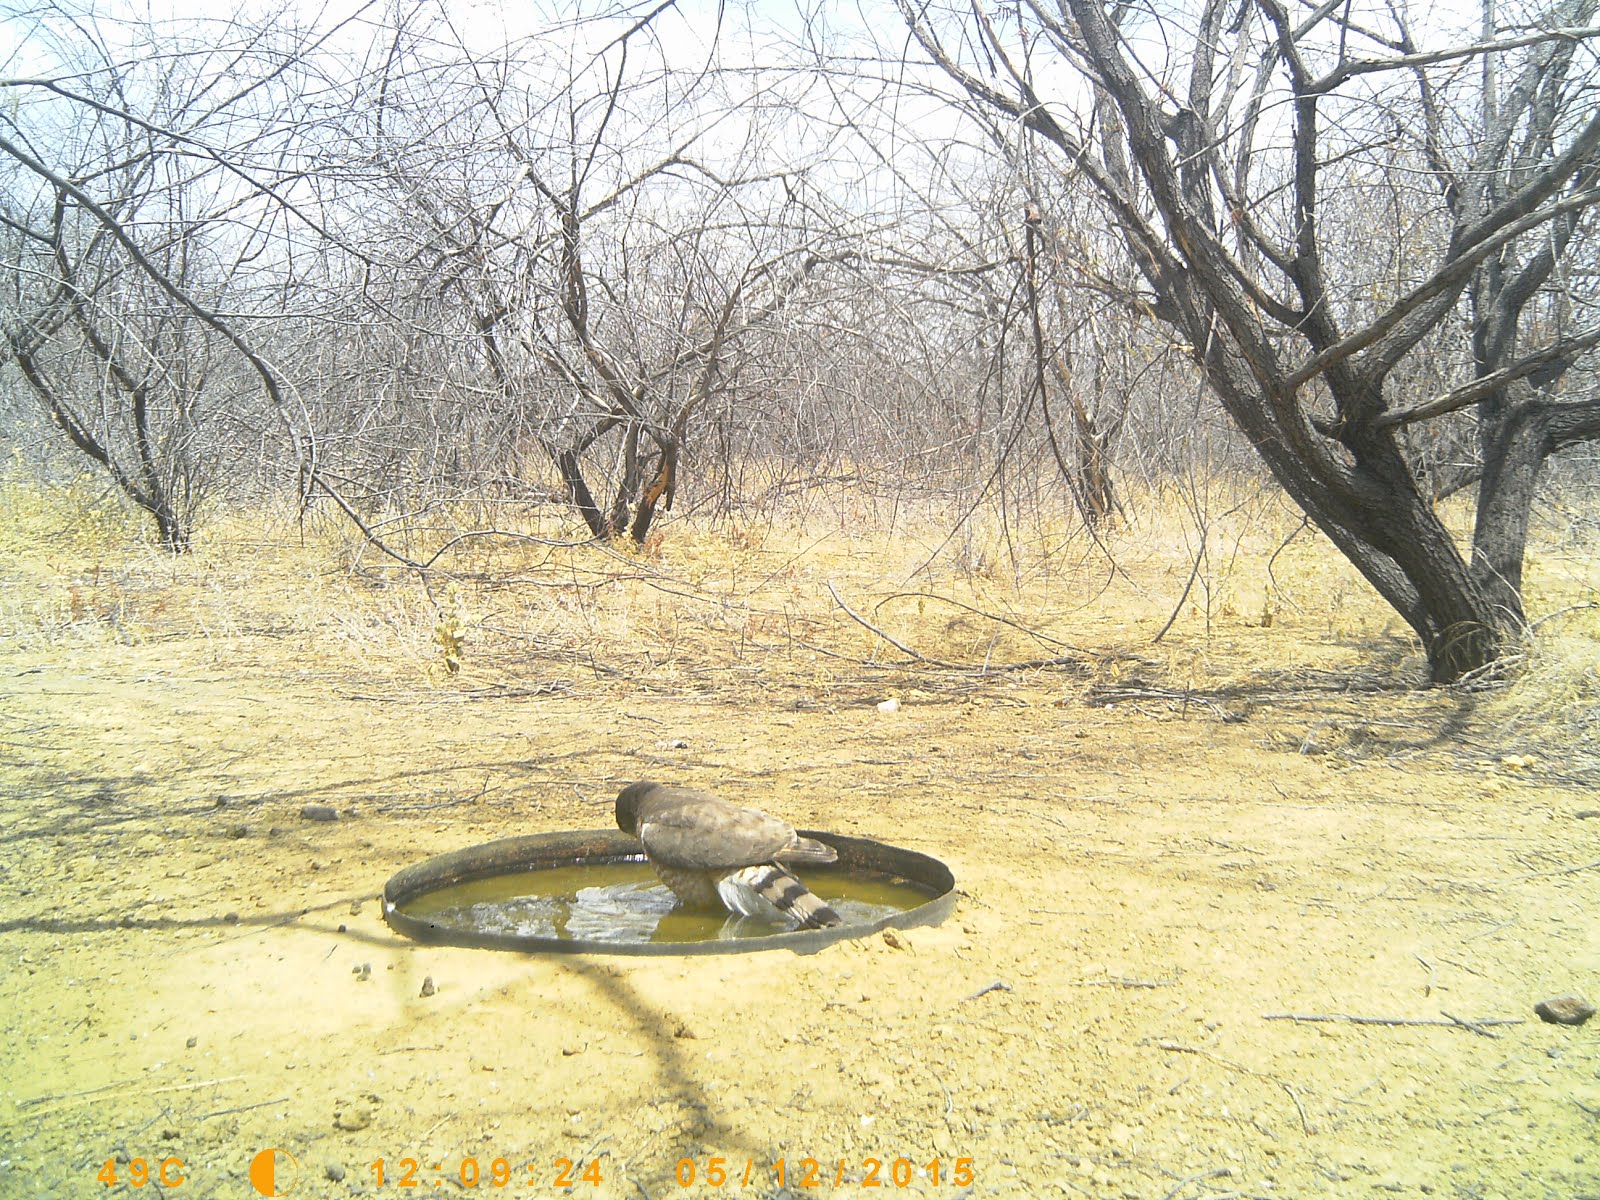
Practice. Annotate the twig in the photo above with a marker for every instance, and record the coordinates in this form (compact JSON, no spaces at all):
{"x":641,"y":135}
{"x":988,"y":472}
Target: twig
{"x":1179,"y":1048}
{"x":109,"y":1087}
{"x":984,"y":668}
{"x":1427,"y":966}
{"x":1352,"y":1019}
{"x":1475,"y":1026}
{"x":890,"y":638}
{"x":999,"y":985}
{"x":94,"y":1091}
{"x":223,"y":1112}
{"x":988,"y":616}
{"x":1561,"y":612}
{"x":1105,"y":697}
{"x":1125,"y":983}
{"x":1588,"y":866}
{"x":1305,"y":1125}
{"x":1201,"y":1177}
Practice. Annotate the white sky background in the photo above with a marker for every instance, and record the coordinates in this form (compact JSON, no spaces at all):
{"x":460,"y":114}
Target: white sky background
{"x":902,"y":136}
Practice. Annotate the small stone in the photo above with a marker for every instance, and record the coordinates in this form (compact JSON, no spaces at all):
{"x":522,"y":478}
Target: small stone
{"x":192,"y":1043}
{"x":891,"y":941}
{"x":334,"y":1171}
{"x":1564,"y":1010}
{"x":353,"y":1119}
{"x":230,"y":918}
{"x":427,"y":986}
{"x":239,"y":831}
{"x":355,"y":908}
{"x":320,"y":812}
{"x":343,"y":928}
{"x":682,"y":1030}
{"x":890,"y":705}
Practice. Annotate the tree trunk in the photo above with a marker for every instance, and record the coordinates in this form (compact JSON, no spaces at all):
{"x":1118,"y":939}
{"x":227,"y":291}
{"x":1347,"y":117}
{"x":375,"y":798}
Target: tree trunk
{"x":1390,"y":532}
{"x":1515,"y":446}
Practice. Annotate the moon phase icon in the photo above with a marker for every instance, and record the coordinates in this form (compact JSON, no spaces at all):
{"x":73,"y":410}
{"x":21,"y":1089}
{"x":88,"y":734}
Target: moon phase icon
{"x":274,"y":1172}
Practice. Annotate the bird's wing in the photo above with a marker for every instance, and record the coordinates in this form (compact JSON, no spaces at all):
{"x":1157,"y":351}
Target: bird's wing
{"x":700,"y":832}
{"x":807,"y":850}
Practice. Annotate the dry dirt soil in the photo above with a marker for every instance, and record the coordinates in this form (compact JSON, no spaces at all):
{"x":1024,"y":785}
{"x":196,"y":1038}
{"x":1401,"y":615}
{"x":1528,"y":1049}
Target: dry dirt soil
{"x":1168,"y":854}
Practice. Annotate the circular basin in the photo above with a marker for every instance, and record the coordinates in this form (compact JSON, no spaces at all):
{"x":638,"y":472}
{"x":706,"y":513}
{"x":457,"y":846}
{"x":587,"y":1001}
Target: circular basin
{"x":591,"y":892}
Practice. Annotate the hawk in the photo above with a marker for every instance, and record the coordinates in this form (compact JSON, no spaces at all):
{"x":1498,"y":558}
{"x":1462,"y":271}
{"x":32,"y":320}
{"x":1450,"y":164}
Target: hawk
{"x":715,"y":855}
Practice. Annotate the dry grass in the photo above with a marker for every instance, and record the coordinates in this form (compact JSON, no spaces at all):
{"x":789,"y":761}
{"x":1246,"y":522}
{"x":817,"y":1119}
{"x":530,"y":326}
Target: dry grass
{"x":1551,"y":710}
{"x":1226,"y":599}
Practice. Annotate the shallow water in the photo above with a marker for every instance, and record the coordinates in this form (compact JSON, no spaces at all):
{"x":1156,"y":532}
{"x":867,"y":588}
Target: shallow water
{"x":624,"y":902}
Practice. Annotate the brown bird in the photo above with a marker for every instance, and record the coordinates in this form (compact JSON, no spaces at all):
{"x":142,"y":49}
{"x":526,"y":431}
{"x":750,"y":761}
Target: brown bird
{"x":715,"y":855}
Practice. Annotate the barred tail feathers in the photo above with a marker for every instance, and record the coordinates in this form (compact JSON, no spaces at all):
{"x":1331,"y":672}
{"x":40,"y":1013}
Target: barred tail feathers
{"x":755,"y":891}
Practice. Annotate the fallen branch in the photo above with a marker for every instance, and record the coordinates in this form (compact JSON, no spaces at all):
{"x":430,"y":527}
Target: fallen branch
{"x":1588,"y":866}
{"x":888,"y":637}
{"x":1113,"y":981}
{"x":130,"y":1083}
{"x":1477,"y":1026}
{"x":988,"y":616}
{"x":986,"y":668}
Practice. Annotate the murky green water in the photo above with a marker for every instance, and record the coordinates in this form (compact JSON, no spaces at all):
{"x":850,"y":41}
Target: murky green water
{"x":624,"y":902}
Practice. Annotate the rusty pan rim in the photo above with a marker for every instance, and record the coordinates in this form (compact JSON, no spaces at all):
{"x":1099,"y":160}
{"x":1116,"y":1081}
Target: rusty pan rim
{"x":543,"y":851}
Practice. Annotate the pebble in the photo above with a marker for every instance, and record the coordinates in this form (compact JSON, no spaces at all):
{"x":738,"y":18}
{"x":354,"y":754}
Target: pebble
{"x":320,"y":812}
{"x":427,"y":986}
{"x":356,"y":1114}
{"x":1564,"y":1010}
{"x":353,"y":1121}
{"x":334,"y":1171}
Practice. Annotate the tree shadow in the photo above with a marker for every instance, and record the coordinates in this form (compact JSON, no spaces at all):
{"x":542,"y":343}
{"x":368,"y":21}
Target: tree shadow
{"x":245,"y":926}
{"x":665,"y":1035}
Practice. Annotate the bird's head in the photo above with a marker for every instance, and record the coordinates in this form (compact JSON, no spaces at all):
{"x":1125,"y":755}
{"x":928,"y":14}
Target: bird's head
{"x":628,"y":801}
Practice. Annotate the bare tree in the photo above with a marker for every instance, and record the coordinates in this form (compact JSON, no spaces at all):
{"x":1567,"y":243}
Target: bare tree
{"x":590,"y":238}
{"x":1221,"y":136}
{"x":148,"y":174}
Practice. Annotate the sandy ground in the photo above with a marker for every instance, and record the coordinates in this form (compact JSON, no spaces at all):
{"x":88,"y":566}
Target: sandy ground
{"x":1144,"y":884}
